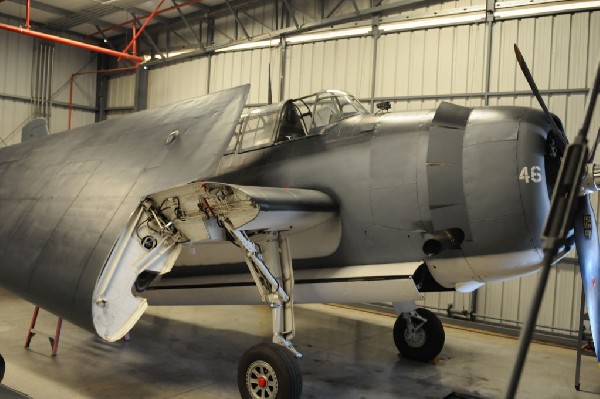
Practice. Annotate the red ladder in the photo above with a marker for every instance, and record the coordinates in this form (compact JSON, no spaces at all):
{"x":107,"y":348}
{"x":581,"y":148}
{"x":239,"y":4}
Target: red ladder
{"x":53,"y":340}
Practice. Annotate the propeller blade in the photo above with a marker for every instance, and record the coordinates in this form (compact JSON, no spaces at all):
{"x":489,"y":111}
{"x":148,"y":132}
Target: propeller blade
{"x":588,"y":251}
{"x":559,"y":134}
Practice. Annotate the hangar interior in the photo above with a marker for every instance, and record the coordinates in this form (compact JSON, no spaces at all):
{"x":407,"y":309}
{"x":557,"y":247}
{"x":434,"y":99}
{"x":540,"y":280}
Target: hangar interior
{"x":414,"y":54}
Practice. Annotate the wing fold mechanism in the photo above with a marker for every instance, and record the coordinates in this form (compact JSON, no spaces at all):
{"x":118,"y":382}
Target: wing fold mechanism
{"x":252,"y":217}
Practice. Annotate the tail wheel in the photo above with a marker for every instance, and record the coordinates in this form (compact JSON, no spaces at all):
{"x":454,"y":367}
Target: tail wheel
{"x":269,"y":371}
{"x":422,"y":338}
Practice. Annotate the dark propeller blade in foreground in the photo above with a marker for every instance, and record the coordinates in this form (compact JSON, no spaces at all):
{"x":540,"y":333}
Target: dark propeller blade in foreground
{"x":558,"y":133}
{"x":567,"y":211}
{"x":588,"y":252}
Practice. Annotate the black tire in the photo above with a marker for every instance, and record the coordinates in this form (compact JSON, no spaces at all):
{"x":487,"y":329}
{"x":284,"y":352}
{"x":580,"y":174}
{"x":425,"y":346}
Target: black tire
{"x":428,"y":346}
{"x":2,"y":368}
{"x":277,"y":366}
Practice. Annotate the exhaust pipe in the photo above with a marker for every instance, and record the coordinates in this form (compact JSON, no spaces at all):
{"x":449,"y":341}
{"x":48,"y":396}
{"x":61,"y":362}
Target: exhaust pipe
{"x":443,"y":240}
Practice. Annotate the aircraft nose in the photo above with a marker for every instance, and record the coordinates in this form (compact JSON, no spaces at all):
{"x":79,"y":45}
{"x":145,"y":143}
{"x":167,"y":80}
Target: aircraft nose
{"x":538,"y":162}
{"x":508,"y":174}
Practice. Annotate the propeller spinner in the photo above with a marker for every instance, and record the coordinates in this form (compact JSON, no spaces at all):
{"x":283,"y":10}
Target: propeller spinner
{"x":570,"y":209}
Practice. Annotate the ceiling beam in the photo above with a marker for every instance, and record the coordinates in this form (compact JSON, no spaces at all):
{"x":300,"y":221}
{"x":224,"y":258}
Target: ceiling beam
{"x":365,"y":14}
{"x":185,"y":21}
{"x":46,"y":29}
{"x":60,"y":12}
{"x":222,"y":10}
{"x":215,"y":11}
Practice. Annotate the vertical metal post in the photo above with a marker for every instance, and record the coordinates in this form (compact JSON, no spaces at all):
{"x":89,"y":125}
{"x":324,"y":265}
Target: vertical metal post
{"x":50,"y":102}
{"x":236,"y":25}
{"x":200,"y":35}
{"x":208,"y":74}
{"x":210,"y":31}
{"x":490,"y":8}
{"x":168,"y":41}
{"x":141,"y":90}
{"x":70,"y":100}
{"x":42,"y":87}
{"x":101,"y":88}
{"x":474,"y":301}
{"x":580,"y":340}
{"x":34,"y":74}
{"x":376,"y":34}
{"x":283,"y":51}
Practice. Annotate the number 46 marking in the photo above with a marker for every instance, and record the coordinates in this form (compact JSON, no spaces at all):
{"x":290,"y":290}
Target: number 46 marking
{"x":533,"y":174}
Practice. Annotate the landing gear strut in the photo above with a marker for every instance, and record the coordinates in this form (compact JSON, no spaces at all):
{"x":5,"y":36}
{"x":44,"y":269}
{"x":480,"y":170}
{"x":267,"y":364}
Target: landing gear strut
{"x":419,"y":335}
{"x":270,"y":370}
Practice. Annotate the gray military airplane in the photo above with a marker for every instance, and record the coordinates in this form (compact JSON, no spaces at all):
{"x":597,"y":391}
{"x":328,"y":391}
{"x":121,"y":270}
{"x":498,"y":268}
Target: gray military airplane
{"x":174,"y":206}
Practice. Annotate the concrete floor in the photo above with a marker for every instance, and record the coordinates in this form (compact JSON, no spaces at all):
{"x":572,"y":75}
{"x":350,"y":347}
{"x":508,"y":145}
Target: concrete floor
{"x":192,"y":352}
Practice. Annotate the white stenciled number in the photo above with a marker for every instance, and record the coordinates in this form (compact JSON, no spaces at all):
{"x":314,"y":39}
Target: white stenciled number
{"x":533,"y":174}
{"x":536,"y":174}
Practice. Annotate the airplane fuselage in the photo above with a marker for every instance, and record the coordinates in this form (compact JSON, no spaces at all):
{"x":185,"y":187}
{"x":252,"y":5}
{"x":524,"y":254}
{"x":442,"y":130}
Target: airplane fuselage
{"x":398,"y":179}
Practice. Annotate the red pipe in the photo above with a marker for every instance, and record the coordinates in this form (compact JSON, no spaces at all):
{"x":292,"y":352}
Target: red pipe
{"x":134,"y":50}
{"x":89,"y":73}
{"x":139,"y":32}
{"x":137,"y":19}
{"x":28,"y":14}
{"x":70,"y":42}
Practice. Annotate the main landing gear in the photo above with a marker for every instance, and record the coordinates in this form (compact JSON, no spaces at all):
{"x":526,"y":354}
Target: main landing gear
{"x":419,"y":335}
{"x":270,"y":370}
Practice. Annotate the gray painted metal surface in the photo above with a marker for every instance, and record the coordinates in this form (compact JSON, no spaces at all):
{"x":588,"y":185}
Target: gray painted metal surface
{"x":375,"y":167}
{"x":64,"y":199}
{"x":35,"y":129}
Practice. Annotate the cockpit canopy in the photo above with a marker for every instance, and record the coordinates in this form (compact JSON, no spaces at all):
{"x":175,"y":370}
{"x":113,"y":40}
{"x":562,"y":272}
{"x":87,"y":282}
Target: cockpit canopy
{"x":293,"y":119}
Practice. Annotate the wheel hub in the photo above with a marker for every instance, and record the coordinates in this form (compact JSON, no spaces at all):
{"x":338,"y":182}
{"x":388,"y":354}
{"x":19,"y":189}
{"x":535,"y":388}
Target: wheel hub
{"x":415,"y":338}
{"x":261,"y":380}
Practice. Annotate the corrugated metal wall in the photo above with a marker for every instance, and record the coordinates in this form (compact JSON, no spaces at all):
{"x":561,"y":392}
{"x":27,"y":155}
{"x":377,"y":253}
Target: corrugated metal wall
{"x":252,"y":66}
{"x":442,"y":61}
{"x":177,"y":82}
{"x":417,"y":70}
{"x":17,"y":59}
{"x":344,"y":64}
{"x":121,"y":94}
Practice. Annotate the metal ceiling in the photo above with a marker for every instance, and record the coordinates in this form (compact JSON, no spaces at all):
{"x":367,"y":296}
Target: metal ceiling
{"x":112,"y":23}
{"x":87,"y":16}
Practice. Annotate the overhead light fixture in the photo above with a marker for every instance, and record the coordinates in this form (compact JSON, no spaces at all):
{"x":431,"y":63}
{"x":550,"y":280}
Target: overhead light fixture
{"x":249,"y":45}
{"x":509,"y":10}
{"x":334,"y":34}
{"x":437,"y":21}
{"x":169,"y":55}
